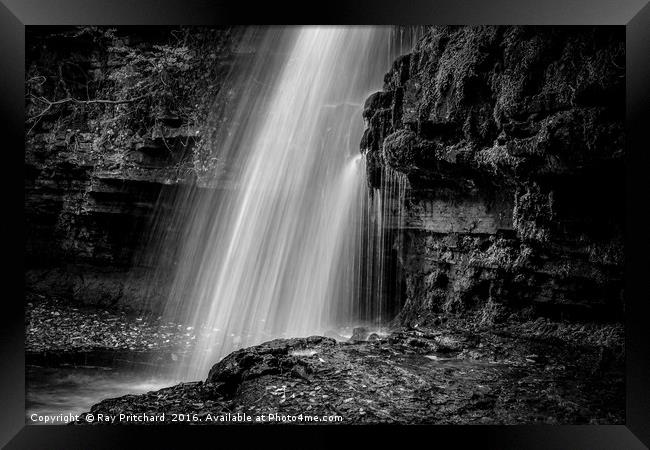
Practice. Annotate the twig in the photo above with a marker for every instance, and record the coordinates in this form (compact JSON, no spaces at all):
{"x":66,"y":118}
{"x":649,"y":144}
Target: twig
{"x":75,"y":100}
{"x":50,"y":103}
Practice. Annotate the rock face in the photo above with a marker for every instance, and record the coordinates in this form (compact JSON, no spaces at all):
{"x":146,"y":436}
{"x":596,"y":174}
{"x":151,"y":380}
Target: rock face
{"x":537,"y":373}
{"x":271,"y":358}
{"x":512,"y":139}
{"x":125,"y":133}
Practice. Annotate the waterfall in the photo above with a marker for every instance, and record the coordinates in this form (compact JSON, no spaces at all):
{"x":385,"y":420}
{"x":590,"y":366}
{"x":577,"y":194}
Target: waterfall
{"x":279,"y":242}
{"x":383,"y":224}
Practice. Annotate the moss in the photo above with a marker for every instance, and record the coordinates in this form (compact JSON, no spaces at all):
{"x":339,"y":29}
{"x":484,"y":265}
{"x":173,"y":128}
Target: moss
{"x":533,"y":213}
{"x":496,"y":159}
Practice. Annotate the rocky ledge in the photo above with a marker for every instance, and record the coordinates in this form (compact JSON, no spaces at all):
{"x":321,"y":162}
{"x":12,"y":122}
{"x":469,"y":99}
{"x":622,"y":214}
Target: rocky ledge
{"x":534,"y":372}
{"x":58,"y":332}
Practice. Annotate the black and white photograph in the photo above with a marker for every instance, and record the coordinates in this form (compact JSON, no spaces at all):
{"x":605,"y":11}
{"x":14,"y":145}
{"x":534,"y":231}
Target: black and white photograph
{"x":390,"y":224}
{"x":328,"y":226}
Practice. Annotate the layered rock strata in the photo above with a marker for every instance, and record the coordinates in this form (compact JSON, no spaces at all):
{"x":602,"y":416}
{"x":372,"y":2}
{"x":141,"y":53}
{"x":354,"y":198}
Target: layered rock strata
{"x":114,"y":126}
{"x":512,"y":139}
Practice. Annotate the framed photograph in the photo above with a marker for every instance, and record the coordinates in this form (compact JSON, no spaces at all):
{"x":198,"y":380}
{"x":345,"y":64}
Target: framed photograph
{"x":371,"y":220}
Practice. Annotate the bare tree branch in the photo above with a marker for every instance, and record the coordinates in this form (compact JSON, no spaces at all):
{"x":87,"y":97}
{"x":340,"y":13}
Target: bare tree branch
{"x":75,"y":100}
{"x":50,"y":103}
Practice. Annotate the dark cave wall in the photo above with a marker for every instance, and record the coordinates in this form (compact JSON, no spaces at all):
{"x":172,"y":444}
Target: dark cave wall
{"x":512,"y":139}
{"x":127,"y":129}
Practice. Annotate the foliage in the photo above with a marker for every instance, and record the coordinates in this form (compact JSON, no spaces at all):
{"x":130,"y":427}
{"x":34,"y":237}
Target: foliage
{"x":123,"y":88}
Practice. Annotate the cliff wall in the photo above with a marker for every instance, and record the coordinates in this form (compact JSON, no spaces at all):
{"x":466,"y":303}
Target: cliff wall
{"x":113,"y":125}
{"x":512,"y":139}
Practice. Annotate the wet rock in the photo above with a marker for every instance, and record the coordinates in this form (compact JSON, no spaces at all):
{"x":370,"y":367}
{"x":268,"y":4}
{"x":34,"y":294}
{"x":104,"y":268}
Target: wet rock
{"x":373,"y":337}
{"x":270,"y":358}
{"x":300,"y":371}
{"x":399,"y":383}
{"x":360,"y":334}
{"x":448,"y":344}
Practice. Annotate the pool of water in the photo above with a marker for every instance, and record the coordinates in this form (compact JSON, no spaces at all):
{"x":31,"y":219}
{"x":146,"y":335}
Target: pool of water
{"x":73,"y":389}
{"x":59,"y":383}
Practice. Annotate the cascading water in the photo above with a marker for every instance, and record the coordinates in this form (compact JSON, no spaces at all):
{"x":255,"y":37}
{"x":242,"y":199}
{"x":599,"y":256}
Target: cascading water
{"x":383,"y":226}
{"x":283,"y":248}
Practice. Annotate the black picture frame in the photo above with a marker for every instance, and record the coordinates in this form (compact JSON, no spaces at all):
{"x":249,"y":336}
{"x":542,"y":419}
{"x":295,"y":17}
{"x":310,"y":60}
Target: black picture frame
{"x":634,"y":15}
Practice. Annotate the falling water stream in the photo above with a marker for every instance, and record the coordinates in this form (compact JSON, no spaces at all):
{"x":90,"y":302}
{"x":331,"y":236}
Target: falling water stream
{"x":280,"y":252}
{"x":281,"y":235}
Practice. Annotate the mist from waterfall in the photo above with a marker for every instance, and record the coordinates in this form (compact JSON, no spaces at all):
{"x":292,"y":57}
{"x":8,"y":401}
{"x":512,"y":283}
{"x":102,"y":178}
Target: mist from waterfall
{"x":286,"y":239}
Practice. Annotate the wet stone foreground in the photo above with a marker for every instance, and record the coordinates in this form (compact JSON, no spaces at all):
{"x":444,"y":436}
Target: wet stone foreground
{"x":508,"y":375}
